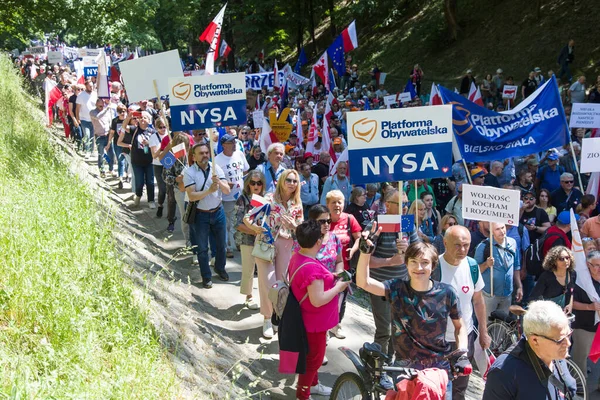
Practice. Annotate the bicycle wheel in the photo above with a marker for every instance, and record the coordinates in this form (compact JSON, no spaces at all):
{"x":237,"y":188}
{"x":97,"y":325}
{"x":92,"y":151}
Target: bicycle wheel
{"x":502,"y":337}
{"x":579,"y":377}
{"x":349,"y":386}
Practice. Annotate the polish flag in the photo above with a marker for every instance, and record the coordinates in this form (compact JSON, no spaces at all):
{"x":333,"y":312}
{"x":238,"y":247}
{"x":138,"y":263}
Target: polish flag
{"x":212,"y":35}
{"x":257,"y":201}
{"x":224,"y":49}
{"x":314,"y":84}
{"x":389,"y":223}
{"x":299,"y":132}
{"x":475,"y":95}
{"x":33,"y":72}
{"x":276,"y":84}
{"x":333,"y":167}
{"x":179,"y":150}
{"x":53,"y":94}
{"x":313,"y":134}
{"x":435,"y":99}
{"x":267,"y":137}
{"x":328,"y":111}
{"x":350,"y":38}
{"x":326,"y":140}
{"x":321,"y":67}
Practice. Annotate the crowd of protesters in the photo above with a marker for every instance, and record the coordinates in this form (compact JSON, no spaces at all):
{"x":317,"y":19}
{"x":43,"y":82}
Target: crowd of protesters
{"x":318,"y":218}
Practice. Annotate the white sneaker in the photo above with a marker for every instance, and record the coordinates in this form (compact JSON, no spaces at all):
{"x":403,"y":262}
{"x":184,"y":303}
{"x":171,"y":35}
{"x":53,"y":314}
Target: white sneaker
{"x":321,"y":390}
{"x":136,"y":201}
{"x":152,"y":204}
{"x":325,"y":360}
{"x":251,"y":304}
{"x":337,"y":332}
{"x":267,"y":329}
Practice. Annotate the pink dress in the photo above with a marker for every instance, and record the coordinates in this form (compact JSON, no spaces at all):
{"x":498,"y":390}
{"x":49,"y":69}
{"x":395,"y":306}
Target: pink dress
{"x":328,"y":253}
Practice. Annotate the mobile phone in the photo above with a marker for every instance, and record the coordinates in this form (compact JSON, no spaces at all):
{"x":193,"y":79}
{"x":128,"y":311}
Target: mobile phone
{"x":345,"y":276}
{"x":136,"y":114}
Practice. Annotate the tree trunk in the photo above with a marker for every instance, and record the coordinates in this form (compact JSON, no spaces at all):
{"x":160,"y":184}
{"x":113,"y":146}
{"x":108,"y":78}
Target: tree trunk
{"x":451,"y":19}
{"x":311,"y":22}
{"x":539,"y":9}
{"x":332,"y":18}
{"x":299,"y":28}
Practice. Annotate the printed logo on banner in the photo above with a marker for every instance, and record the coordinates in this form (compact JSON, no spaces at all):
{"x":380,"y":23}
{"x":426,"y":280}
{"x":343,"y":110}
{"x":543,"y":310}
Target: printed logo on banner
{"x":370,"y":126}
{"x":460,"y":123}
{"x":182,"y":90}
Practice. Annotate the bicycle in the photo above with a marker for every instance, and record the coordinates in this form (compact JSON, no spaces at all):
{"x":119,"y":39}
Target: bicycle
{"x":505,"y":330}
{"x":370,"y":366}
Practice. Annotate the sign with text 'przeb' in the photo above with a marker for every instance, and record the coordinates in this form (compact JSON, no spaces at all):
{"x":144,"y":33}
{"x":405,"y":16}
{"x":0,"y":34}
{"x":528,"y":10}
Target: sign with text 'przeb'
{"x":487,"y":203}
{"x":400,"y":144}
{"x":199,"y":102}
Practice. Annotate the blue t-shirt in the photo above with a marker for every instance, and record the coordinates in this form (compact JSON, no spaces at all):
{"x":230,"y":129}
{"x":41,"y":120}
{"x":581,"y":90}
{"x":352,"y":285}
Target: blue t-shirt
{"x":506,"y":262}
{"x":550,"y":179}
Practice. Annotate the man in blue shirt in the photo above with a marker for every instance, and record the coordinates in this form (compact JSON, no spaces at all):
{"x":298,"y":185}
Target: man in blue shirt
{"x":274,"y":167}
{"x":535,"y":367}
{"x":548,"y":177}
{"x":309,"y":188}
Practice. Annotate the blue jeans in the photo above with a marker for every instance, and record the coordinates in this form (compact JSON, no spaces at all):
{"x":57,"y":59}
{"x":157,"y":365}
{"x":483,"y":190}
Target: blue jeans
{"x":101,"y":142}
{"x":88,"y":135}
{"x":206,"y":225}
{"x":565,"y":70}
{"x":117,"y":154}
{"x":144,"y":175}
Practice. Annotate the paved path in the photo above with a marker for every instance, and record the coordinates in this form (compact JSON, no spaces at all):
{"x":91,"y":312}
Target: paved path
{"x":214,"y":342}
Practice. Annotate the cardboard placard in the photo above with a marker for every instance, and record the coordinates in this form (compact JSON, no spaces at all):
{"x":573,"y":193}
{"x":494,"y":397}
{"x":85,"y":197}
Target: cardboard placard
{"x":590,"y":155}
{"x":585,"y":115}
{"x":279,"y":125}
{"x":389,"y":100}
{"x":509,"y":92}
{"x":258,"y":118}
{"x":404,"y":97}
{"x":487,"y":203}
{"x":55,"y":57}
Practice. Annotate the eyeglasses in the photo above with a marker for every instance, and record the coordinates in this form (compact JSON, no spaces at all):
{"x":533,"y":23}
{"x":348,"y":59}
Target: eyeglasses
{"x":528,"y":198}
{"x":199,"y":134}
{"x":593,"y":265}
{"x":567,"y":181}
{"x":559,"y":341}
{"x":291,"y":181}
{"x":563,"y":258}
{"x":325,"y":221}
{"x":255,"y":183}
{"x":161,"y":127}
{"x":243,"y":133}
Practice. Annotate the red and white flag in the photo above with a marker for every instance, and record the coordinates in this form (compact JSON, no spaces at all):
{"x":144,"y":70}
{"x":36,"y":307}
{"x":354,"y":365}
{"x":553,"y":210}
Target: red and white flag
{"x":276,"y":84}
{"x":333,"y":167}
{"x":299,"y":131}
{"x":475,"y":95}
{"x":349,"y":37}
{"x":389,"y":223}
{"x":224,"y":49}
{"x":328,"y":111}
{"x":53,"y":94}
{"x":179,"y":150}
{"x":257,"y":201}
{"x":267,"y":137}
{"x":313,"y":134}
{"x":212,"y":35}
{"x":435,"y":99}
{"x":321,"y":67}
{"x":326,"y":140}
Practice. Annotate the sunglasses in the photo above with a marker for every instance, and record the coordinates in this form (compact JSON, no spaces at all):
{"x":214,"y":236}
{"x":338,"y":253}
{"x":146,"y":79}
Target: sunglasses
{"x":559,"y":341}
{"x":291,"y":181}
{"x":256,"y":183}
{"x":325,"y":221}
{"x":161,"y":127}
{"x":451,"y":223}
{"x":528,"y":198}
{"x":567,"y":181}
{"x":199,"y":134}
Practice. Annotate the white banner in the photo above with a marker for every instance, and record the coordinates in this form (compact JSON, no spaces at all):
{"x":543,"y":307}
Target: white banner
{"x":404,"y":97}
{"x":88,"y":52}
{"x":258,"y":118}
{"x":590,"y":155}
{"x":55,"y":57}
{"x":585,"y":115}
{"x":257,"y":81}
{"x":390,"y":100}
{"x":70,"y":52}
{"x":509,"y":92}
{"x":486,"y":203}
{"x":37,"y":50}
{"x":139,"y":74}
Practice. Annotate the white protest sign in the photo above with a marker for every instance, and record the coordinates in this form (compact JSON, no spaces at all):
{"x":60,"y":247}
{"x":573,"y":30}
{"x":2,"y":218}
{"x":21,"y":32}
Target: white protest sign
{"x":590,"y":155}
{"x":139,"y":74}
{"x":389,"y":100}
{"x":585,"y":115}
{"x":37,"y":50}
{"x":70,"y":52}
{"x":509,"y":92}
{"x":382,"y":76}
{"x":487,"y":203}
{"x":88,"y":52}
{"x":55,"y":57}
{"x":258,"y":118}
{"x":404,"y":97}
{"x":200,"y":102}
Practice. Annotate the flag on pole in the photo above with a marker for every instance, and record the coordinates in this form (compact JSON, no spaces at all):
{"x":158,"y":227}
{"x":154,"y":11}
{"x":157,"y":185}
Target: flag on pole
{"x":53,"y":94}
{"x":475,"y":95}
{"x":410,"y":88}
{"x":328,"y":111}
{"x":326,"y":139}
{"x":267,"y":137}
{"x":257,"y":201}
{"x":211,"y":35}
{"x":169,"y":160}
{"x":224,"y":49}
{"x":321,"y":67}
{"x":342,"y":158}
{"x":276,"y":84}
{"x":179,"y":150}
{"x":302,"y":60}
{"x":435,"y":99}
{"x":332,"y":84}
{"x":299,"y":131}
{"x":336,"y":53}
{"x":313,"y":134}
{"x":349,"y":37}
{"x":284,"y":94}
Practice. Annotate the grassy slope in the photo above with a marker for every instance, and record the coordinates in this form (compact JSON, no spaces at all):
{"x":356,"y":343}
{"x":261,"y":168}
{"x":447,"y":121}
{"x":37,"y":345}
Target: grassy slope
{"x":495,"y":33}
{"x":68,"y":325}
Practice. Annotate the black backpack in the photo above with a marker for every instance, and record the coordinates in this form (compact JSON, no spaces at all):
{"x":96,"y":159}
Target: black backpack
{"x":534,"y":255}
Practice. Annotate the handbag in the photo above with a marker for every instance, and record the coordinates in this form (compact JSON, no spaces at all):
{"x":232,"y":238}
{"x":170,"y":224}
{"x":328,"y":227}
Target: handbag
{"x":190,"y":212}
{"x":263,"y":250}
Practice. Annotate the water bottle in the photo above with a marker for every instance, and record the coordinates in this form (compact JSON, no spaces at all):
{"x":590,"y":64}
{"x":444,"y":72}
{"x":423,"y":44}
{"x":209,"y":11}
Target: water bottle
{"x":146,"y":149}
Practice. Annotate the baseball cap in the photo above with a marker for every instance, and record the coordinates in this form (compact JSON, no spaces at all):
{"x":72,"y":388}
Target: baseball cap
{"x":477,"y":172}
{"x":565,"y":217}
{"x":337,"y":140}
{"x":469,"y":71}
{"x":288,"y":147}
{"x":537,"y":69}
{"x":533,"y":162}
{"x":499,"y":71}
{"x":308,"y":154}
{"x":553,"y":156}
{"x":227,"y":138}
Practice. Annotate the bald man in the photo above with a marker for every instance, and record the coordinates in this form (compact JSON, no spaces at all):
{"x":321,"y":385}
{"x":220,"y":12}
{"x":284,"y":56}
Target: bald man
{"x":462,"y":272}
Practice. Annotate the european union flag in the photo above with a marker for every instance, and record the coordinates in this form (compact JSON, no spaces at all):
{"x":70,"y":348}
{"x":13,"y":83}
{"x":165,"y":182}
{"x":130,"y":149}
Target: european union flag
{"x":410,"y":88}
{"x":222,"y":131}
{"x":331,"y":80}
{"x":407,"y":223}
{"x":367,"y":105}
{"x":284,"y":94}
{"x":336,"y":54}
{"x":169,"y":160}
{"x":302,"y":60}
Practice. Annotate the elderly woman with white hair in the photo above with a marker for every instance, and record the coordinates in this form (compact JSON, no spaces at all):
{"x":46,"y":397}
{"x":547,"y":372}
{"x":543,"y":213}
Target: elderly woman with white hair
{"x":274,"y":167}
{"x":535,"y":368}
{"x":138,"y":142}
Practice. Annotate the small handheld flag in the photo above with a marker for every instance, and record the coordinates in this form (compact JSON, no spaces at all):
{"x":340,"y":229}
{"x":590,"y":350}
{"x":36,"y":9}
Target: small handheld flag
{"x":168,"y":160}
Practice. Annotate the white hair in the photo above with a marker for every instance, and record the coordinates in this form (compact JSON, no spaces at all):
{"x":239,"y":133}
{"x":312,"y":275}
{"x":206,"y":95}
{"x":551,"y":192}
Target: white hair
{"x":542,"y":316}
{"x":566,"y":175}
{"x":275,"y":146}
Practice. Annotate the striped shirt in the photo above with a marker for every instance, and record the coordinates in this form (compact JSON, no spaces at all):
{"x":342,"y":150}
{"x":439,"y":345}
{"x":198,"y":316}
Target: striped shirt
{"x":386,"y":248}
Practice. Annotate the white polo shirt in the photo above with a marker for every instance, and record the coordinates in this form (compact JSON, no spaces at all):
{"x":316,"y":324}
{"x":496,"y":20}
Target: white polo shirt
{"x":460,"y":278}
{"x":194,"y":175}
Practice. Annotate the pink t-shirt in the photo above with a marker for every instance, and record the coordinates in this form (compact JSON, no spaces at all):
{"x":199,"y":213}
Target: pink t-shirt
{"x":316,"y":319}
{"x":340,"y":228}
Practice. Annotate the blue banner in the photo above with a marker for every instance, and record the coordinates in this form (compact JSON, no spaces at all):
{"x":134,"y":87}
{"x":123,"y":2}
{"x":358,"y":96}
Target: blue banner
{"x":536,"y":124}
{"x":202,"y":116}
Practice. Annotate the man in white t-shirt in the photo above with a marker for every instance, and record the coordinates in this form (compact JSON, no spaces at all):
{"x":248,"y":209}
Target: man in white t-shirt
{"x":86,"y":102}
{"x":233,"y":163}
{"x":463,"y":274}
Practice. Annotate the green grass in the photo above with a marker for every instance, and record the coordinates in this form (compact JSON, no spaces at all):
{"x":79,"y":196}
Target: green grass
{"x":69,"y":326}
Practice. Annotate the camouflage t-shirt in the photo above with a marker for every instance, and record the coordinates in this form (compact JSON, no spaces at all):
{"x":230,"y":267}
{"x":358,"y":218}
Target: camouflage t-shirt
{"x":419,"y":320}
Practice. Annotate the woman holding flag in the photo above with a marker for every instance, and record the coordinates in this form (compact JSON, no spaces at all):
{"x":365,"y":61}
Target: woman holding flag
{"x":277,"y":227}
